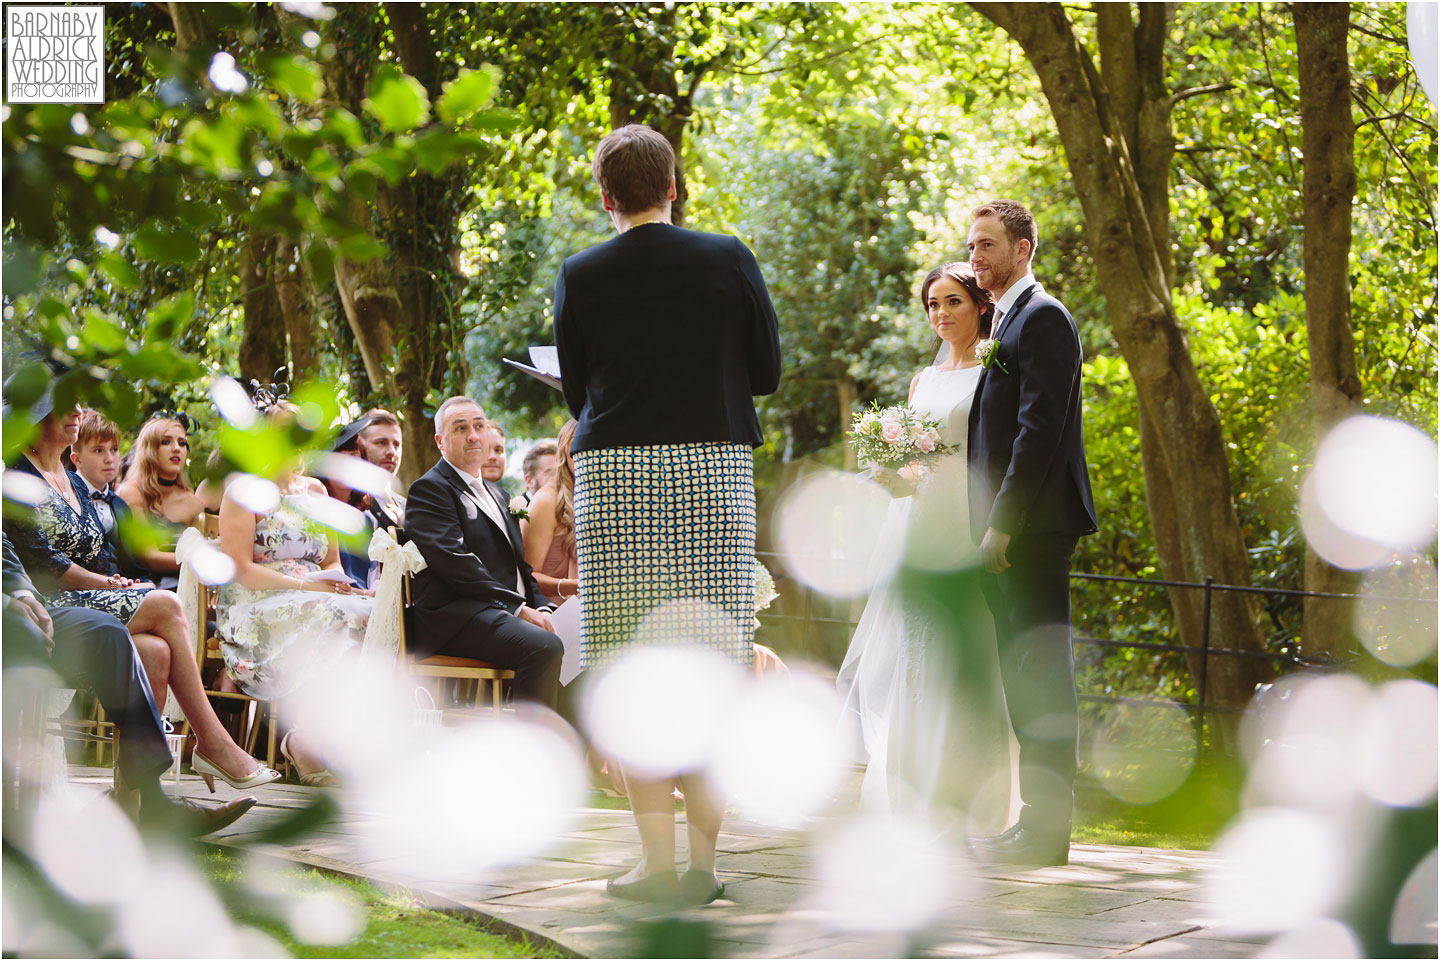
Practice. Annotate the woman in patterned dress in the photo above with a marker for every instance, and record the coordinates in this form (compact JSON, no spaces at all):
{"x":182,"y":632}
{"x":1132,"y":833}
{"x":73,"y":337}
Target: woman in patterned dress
{"x":664,"y":336}
{"x":70,"y":559}
{"x":290,"y":613}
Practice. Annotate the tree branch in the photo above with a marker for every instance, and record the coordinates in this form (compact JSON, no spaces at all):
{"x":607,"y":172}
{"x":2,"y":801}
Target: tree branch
{"x":1200,"y":91}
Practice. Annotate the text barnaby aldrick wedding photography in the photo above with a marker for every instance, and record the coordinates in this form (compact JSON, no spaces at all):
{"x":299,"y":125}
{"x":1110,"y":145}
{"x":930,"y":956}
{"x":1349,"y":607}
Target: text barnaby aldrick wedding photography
{"x":54,"y":54}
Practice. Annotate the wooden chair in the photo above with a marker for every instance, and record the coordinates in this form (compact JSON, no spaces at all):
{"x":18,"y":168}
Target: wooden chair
{"x":207,"y":653}
{"x":468,"y":673}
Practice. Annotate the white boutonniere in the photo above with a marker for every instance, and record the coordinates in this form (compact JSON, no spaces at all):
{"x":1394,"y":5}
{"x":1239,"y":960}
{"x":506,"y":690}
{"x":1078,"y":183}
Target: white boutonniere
{"x":988,"y":355}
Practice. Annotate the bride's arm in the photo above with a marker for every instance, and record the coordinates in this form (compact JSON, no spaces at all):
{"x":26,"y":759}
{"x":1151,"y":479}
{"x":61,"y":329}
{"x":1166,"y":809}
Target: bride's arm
{"x":910,"y":471}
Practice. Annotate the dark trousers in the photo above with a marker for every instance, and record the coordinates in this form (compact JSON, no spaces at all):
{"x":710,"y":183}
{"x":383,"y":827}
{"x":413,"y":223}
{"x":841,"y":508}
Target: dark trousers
{"x":503,"y":639}
{"x":1031,"y":605}
{"x":93,"y":652}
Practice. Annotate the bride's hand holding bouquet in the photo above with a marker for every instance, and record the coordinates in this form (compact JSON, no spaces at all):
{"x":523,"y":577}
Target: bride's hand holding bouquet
{"x":897,"y":444}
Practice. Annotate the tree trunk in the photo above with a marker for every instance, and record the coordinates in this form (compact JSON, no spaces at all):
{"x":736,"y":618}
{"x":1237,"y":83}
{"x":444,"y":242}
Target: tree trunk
{"x":645,"y":88}
{"x":1196,"y":529}
{"x":287,"y":274}
{"x":426,"y":210}
{"x":192,"y":27}
{"x":262,"y":344}
{"x":1328,"y":145}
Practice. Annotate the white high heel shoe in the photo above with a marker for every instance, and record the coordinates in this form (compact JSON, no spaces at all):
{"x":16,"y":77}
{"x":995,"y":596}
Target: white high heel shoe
{"x":209,"y":771}
{"x":321,"y":778}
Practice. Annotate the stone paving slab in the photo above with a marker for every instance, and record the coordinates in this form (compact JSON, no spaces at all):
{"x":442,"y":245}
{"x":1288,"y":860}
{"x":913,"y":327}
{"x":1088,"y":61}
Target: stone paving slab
{"x":1108,"y":902}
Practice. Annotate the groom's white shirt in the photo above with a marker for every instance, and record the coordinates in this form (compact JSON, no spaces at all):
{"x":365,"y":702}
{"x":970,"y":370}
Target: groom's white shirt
{"x":1007,"y":300}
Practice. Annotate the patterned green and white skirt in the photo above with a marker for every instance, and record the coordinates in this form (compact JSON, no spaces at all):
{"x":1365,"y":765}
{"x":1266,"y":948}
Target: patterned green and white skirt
{"x":666,"y":540}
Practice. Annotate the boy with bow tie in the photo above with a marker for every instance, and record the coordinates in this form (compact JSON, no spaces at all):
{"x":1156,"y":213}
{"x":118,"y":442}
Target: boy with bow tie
{"x":96,"y":456}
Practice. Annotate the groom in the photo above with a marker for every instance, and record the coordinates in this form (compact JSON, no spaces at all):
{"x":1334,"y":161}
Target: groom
{"x":1029,"y":505}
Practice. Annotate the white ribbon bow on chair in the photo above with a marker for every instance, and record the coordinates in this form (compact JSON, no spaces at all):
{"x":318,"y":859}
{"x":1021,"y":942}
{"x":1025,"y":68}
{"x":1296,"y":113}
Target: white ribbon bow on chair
{"x":382,"y":636}
{"x":191,"y":550}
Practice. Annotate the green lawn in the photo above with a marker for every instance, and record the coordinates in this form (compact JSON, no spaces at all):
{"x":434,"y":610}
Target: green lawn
{"x":396,"y":926}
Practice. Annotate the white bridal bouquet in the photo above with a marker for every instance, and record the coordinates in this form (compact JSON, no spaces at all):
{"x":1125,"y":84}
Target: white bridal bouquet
{"x":891,"y":437}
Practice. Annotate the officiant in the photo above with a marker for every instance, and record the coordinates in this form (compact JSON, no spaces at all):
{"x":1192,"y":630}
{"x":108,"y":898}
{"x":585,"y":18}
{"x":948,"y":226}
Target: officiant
{"x":664,"y":335}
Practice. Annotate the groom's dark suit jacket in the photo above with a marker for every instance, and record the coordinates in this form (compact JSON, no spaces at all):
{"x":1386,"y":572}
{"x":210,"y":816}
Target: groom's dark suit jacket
{"x":1027,"y":454}
{"x":470,"y":563}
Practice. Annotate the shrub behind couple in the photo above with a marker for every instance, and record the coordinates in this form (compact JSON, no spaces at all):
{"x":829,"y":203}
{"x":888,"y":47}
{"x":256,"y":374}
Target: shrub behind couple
{"x":968,"y":643}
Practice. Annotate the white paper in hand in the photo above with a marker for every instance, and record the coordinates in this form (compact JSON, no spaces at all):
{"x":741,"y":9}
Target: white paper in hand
{"x":337,"y":576}
{"x":565,"y":619}
{"x":546,"y":359}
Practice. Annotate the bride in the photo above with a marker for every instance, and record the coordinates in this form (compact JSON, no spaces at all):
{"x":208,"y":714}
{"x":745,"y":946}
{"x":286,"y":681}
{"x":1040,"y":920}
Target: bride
{"x":922,"y":677}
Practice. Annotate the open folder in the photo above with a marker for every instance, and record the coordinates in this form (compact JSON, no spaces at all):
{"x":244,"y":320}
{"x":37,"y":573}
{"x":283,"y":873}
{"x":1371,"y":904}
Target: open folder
{"x":544,"y":365}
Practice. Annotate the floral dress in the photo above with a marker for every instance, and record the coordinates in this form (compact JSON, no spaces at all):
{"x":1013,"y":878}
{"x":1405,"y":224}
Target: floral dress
{"x":274,"y":641}
{"x":60,"y":537}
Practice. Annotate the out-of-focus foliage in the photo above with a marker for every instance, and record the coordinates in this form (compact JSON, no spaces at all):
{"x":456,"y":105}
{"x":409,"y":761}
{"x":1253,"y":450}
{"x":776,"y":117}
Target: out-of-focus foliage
{"x":844,"y":144}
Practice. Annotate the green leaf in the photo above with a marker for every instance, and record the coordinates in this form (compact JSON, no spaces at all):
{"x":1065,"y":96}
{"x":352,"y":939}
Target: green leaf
{"x":101,"y":332}
{"x":361,"y":247}
{"x":118,"y":271}
{"x":467,"y":93}
{"x":27,"y":384}
{"x":343,"y":125}
{"x":296,"y":77}
{"x":397,"y":100}
{"x":165,"y":319}
{"x":321,"y":164}
{"x":22,"y":267}
{"x":166,"y":244}
{"x":320,"y":260}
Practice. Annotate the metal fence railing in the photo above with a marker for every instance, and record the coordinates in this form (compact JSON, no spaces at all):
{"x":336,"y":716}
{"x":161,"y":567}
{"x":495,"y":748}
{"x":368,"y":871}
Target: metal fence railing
{"x":1287,"y":658}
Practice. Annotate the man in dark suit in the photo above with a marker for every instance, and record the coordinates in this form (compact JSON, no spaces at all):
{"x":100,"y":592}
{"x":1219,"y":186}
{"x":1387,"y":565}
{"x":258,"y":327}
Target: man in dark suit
{"x":476,"y":596}
{"x":92,"y":650}
{"x":1030,"y":503}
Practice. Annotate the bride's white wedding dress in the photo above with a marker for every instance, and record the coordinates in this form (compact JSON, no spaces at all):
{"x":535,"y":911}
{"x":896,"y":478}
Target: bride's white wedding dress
{"x":922,"y":677}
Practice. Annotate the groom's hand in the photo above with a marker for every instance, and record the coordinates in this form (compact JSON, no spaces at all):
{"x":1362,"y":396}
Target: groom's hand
{"x":992,"y":550}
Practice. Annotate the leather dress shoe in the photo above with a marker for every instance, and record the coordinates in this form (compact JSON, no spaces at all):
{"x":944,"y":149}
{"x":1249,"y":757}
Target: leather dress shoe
{"x":700,"y":887}
{"x":189,"y":818}
{"x":659,"y":888}
{"x":1027,"y":845}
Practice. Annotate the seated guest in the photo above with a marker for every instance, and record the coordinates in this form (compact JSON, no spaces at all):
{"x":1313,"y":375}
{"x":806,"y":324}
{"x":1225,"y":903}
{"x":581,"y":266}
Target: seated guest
{"x":285,"y":618}
{"x":96,"y":458}
{"x":382,"y":445}
{"x":90,"y":649}
{"x":550,"y":533}
{"x":354,"y":551}
{"x":67,"y":554}
{"x":537,"y":468}
{"x":492,"y":467}
{"x":476,"y":597}
{"x":158,"y":491}
{"x":210,"y":492}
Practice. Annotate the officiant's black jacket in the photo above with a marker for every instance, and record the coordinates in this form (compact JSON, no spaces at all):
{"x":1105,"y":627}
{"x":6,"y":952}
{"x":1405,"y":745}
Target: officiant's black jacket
{"x":1027,"y":452}
{"x":664,"y":335}
{"x":470,"y":564}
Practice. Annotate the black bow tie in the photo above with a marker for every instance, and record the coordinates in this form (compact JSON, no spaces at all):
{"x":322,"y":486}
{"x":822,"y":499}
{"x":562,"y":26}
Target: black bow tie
{"x":97,"y":496}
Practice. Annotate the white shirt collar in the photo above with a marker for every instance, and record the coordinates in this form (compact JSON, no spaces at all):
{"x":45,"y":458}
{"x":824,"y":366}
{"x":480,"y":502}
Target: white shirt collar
{"x":91,"y":487}
{"x":1007,"y":300}
{"x":473,"y":480}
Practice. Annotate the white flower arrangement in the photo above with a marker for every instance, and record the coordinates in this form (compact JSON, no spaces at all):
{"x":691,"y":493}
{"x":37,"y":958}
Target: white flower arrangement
{"x":895,"y":436}
{"x":765,"y":593}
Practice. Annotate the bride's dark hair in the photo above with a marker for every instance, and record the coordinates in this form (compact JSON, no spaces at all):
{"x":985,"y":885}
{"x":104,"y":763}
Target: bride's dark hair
{"x":964,"y":275}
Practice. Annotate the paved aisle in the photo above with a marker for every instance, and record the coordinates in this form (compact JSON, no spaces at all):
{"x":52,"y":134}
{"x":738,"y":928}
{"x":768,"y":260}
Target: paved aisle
{"x":1109,"y":902}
